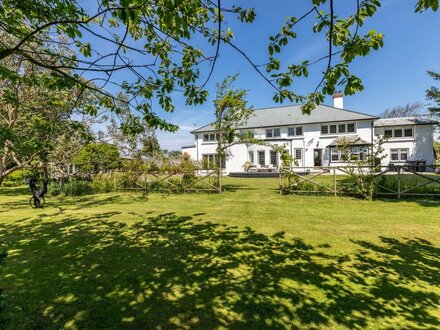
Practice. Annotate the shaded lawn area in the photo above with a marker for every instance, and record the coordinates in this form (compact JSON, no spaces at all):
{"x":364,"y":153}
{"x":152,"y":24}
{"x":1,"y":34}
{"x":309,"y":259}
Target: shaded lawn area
{"x":246,"y":259}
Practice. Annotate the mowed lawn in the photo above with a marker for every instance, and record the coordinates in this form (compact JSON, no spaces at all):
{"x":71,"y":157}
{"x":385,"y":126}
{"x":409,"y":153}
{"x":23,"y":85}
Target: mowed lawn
{"x":246,"y":259}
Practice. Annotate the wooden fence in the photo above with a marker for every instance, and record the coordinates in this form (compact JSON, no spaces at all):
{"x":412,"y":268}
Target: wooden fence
{"x":392,"y":181}
{"x":169,"y":182}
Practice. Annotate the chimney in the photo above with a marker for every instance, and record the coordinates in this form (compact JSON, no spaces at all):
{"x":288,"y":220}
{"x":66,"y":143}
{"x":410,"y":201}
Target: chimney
{"x":338,"y":100}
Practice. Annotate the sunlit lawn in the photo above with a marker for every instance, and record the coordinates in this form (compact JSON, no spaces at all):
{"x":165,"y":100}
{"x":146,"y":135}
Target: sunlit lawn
{"x":246,"y":259}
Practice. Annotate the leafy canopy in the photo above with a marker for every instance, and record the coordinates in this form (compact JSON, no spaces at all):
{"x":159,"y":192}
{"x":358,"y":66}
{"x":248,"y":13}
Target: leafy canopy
{"x":148,"y":49}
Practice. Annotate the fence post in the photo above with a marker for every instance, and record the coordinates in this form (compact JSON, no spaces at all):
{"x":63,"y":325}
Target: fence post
{"x":398,"y":181}
{"x":334,"y":181}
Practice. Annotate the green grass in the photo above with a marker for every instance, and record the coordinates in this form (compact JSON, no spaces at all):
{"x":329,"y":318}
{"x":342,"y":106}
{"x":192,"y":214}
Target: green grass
{"x":246,"y":259}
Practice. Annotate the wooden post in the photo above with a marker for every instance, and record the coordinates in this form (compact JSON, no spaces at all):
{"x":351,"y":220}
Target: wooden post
{"x":220,"y":178}
{"x":114,"y":182}
{"x":334,"y":182}
{"x":399,"y":168}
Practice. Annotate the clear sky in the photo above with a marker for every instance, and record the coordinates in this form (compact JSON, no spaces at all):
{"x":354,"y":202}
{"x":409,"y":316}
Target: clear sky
{"x":394,"y":75}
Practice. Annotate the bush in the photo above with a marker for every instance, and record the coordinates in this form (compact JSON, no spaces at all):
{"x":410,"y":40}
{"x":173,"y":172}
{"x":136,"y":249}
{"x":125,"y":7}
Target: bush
{"x":17,"y":178}
{"x":77,"y":188}
{"x":104,"y":183}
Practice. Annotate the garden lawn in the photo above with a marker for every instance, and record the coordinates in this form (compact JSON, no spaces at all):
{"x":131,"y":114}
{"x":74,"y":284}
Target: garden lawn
{"x":249,"y":258}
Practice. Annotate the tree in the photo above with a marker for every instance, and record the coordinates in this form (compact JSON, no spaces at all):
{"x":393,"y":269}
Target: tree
{"x":363,"y":165}
{"x":97,"y":157}
{"x":433,"y":94}
{"x":231,"y":112}
{"x":153,"y":44}
{"x":408,"y":110}
{"x":132,"y":134}
{"x":32,"y":117}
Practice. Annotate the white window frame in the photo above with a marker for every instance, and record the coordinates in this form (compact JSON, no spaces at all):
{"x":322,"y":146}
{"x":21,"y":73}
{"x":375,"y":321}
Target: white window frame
{"x":295,"y":153}
{"x":261,"y":152}
{"x":338,"y":128}
{"x":271,"y":154}
{"x":399,"y":152}
{"x":251,"y":157}
{"x":212,"y":137}
{"x":272,"y":133}
{"x":400,"y":128}
{"x":295,"y":130}
{"x":212,"y":160}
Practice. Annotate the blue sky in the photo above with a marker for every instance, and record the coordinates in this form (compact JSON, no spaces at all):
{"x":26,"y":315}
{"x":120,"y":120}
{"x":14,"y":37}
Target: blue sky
{"x":393,"y":75}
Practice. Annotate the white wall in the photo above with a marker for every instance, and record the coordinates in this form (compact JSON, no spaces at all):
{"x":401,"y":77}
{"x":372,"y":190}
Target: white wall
{"x":420,"y":147}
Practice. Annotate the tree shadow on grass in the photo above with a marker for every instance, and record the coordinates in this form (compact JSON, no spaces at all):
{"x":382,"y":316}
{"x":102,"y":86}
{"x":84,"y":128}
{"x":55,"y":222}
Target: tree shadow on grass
{"x":172,"y":271}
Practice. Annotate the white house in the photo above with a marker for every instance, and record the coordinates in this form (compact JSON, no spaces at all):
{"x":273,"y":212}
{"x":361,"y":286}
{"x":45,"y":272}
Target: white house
{"x":313,"y":139}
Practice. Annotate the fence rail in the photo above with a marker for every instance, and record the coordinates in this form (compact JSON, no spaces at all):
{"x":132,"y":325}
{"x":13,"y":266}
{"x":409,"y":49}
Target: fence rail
{"x":392,"y":181}
{"x":197,"y":180}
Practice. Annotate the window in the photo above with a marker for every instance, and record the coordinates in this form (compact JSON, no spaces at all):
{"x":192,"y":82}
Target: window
{"x":338,"y":128}
{"x":272,"y":133}
{"x":335,"y":154}
{"x":295,"y":131}
{"x":273,"y":158}
{"x":209,"y":162}
{"x":209,"y":137}
{"x":404,"y":154}
{"x":251,"y":157}
{"x":298,"y":154}
{"x":350,"y":128}
{"x":261,"y":158}
{"x":399,"y":155}
{"x":398,"y":133}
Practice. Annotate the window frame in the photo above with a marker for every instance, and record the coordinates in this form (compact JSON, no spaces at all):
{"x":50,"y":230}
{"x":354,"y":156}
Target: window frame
{"x":272,"y":154}
{"x":338,"y":128}
{"x":209,"y":162}
{"x":295,"y":129}
{"x":295,"y":153}
{"x":272,"y":133}
{"x":402,"y":129}
{"x":399,"y":152}
{"x":261,"y":152}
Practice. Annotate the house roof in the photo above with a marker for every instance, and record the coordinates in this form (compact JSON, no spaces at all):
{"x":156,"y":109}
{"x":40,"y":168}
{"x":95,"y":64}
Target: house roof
{"x":292,"y":115}
{"x":350,"y":140}
{"x":403,"y":121}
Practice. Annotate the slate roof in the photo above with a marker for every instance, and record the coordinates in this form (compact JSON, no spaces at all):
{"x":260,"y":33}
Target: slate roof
{"x":403,"y":121}
{"x":292,"y":115}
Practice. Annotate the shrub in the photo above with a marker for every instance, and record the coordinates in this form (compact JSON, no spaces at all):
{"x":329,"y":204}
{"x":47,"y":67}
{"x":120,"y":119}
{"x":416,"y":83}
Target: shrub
{"x":77,"y":188}
{"x":103,"y":183}
{"x":54,"y":188}
{"x":17,"y":178}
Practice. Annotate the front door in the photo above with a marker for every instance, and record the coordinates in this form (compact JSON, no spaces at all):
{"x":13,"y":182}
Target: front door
{"x":317,"y":157}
